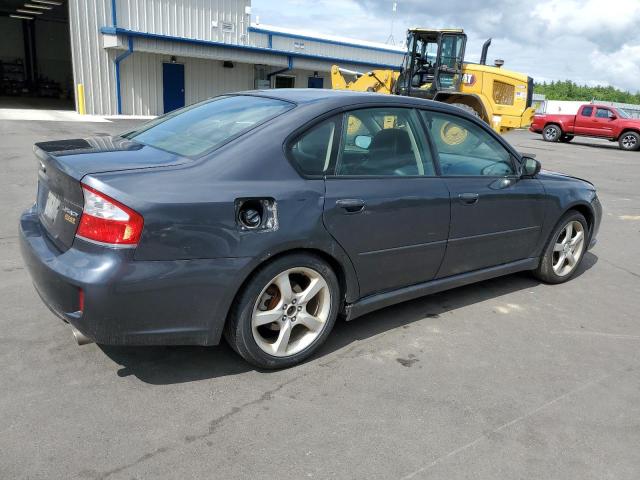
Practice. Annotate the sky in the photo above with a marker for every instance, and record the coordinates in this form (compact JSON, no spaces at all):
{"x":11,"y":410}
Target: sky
{"x":592,"y":42}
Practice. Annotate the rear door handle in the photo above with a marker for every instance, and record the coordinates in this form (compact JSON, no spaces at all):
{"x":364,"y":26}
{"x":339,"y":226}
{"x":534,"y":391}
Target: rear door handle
{"x":351,"y":205}
{"x":468,"y":198}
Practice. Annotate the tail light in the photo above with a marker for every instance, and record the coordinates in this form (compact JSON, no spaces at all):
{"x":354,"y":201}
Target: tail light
{"x":105,"y":220}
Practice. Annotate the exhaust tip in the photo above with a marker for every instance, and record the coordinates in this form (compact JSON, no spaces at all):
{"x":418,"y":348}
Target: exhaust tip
{"x":80,"y":337}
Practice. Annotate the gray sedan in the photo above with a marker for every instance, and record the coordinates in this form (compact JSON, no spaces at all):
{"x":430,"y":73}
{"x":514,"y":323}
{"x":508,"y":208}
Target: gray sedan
{"x":263,"y":216}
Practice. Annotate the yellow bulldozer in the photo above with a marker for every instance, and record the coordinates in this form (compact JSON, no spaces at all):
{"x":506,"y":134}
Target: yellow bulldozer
{"x":434,"y":68}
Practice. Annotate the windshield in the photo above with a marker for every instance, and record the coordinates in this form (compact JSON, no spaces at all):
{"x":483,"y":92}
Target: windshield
{"x":623,"y":114}
{"x":195,"y":130}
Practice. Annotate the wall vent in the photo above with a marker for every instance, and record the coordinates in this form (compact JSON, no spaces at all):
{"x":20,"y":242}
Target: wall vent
{"x":227,"y":27}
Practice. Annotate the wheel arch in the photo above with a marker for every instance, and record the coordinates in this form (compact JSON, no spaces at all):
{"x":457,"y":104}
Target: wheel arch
{"x":347,"y":279}
{"x":627,"y":130}
{"x":472,"y":100}
{"x":586,"y":211}
{"x":557,"y":124}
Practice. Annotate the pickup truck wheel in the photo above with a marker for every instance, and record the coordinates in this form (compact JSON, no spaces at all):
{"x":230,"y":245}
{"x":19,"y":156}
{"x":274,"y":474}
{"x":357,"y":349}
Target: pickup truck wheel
{"x":629,"y":141}
{"x":566,"y":138}
{"x":551,"y":133}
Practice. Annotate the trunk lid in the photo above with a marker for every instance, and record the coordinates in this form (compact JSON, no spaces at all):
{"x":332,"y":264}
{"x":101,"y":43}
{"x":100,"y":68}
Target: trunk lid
{"x":62,"y":164}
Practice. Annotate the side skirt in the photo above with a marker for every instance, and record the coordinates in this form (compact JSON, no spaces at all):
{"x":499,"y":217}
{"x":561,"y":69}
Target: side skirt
{"x":385,"y":299}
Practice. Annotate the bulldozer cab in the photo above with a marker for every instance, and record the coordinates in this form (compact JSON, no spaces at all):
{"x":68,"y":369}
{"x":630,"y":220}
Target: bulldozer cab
{"x":433,"y":62}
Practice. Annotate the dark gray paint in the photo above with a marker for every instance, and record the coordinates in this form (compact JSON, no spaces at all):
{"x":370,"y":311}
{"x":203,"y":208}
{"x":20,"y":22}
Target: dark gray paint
{"x":177,"y":286}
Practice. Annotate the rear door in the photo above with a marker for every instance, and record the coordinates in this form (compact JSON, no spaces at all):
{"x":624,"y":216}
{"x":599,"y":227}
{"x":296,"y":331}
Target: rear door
{"x":584,"y":124}
{"x":496,"y":217}
{"x":384,"y":203}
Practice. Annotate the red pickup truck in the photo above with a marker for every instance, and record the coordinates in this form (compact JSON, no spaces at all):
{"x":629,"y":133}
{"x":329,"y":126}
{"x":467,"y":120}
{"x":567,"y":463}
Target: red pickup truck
{"x":590,"y":121}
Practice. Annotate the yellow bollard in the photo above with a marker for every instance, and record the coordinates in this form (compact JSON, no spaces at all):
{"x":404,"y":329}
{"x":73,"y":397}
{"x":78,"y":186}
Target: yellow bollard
{"x":81,"y":109}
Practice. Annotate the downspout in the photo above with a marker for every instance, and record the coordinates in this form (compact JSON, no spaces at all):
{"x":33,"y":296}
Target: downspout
{"x":114,"y":15}
{"x":289,"y":67}
{"x":117,"y":61}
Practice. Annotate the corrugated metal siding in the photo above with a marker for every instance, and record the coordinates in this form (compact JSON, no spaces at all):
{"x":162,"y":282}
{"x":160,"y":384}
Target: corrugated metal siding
{"x":203,"y":51}
{"x":141,"y":84}
{"x":206,"y":78}
{"x":92,"y":65}
{"x":186,"y":18}
{"x":330,"y":50}
{"x":141,"y":81}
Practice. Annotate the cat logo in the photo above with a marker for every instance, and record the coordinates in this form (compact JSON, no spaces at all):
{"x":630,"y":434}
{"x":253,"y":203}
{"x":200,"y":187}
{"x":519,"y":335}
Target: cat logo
{"x":469,"y":79}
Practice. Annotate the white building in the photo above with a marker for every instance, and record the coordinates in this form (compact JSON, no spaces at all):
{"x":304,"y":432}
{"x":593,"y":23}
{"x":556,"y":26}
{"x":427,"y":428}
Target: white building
{"x":146,"y":57}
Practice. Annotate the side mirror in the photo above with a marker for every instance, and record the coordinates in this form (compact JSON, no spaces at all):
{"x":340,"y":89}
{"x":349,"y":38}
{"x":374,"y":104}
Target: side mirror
{"x":530,"y":167}
{"x":362,"y":141}
{"x":612,"y":116}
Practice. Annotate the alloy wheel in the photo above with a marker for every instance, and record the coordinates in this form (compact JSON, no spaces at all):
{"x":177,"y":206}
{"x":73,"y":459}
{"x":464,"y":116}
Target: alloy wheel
{"x":568,"y":248}
{"x":291,"y":312}
{"x":552,"y":133}
{"x":629,"y":141}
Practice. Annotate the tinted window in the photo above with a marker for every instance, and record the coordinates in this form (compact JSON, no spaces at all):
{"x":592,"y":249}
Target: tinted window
{"x":602,"y":113}
{"x":199,"y":128}
{"x":465,"y":148}
{"x":312,"y":150}
{"x":587,"y":111}
{"x":383,"y":141}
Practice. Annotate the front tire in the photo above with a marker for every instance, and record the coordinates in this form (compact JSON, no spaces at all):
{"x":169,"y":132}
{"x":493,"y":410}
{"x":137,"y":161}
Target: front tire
{"x":565,"y":248}
{"x":285,"y":311}
{"x":629,"y":141}
{"x":552,"y":133}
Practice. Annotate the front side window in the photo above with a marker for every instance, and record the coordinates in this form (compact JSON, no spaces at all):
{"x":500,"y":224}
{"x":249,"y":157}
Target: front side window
{"x":311,"y":152}
{"x":587,"y":111}
{"x":603,"y":113}
{"x":466,"y":149}
{"x":383,"y":141}
{"x":197,"y":129}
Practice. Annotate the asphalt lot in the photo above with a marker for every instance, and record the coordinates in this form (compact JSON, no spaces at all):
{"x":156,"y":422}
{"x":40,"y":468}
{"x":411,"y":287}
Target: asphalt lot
{"x":506,"y":379}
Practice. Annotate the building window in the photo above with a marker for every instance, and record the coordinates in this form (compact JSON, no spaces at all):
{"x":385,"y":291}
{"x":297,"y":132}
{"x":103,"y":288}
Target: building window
{"x":285,"y":81}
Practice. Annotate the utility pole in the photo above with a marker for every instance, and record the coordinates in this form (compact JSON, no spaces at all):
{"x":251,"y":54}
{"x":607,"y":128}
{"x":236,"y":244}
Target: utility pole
{"x":390,"y":39}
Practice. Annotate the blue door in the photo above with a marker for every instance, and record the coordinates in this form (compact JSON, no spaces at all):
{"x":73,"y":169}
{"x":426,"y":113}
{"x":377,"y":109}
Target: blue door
{"x":315,"y":82}
{"x":172,"y":86}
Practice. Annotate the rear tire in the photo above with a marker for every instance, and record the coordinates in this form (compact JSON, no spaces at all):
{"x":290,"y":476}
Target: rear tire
{"x":284,"y":312}
{"x":466,"y":108}
{"x":566,"y":138}
{"x":629,"y":141}
{"x":552,"y":133}
{"x":564,"y":250}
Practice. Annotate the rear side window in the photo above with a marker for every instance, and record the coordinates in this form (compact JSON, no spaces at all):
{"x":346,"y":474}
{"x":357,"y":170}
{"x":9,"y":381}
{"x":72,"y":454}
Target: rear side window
{"x":587,"y":111}
{"x":195,"y":130}
{"x":312,"y":150}
{"x":383,"y":142}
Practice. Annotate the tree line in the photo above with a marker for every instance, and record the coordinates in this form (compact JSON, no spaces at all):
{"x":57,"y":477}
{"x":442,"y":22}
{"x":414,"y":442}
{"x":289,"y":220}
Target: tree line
{"x":568,"y":90}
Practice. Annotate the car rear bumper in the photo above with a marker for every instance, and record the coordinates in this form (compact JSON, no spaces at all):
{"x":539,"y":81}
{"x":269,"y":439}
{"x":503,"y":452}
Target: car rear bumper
{"x":129,"y":302}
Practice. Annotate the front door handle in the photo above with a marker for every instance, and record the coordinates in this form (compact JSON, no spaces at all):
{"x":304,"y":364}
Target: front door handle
{"x":351,"y":205}
{"x":468,"y":198}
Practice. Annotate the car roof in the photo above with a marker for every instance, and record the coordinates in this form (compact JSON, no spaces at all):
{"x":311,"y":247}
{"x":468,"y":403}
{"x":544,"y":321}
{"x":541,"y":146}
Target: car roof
{"x":337,"y":97}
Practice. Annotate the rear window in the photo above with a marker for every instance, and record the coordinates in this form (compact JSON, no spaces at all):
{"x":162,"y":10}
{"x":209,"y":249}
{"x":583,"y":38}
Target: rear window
{"x":587,"y":111}
{"x":195,"y":130}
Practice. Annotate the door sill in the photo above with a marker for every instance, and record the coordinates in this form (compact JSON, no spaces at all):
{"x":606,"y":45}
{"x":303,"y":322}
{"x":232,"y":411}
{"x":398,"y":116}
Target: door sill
{"x":385,"y":299}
